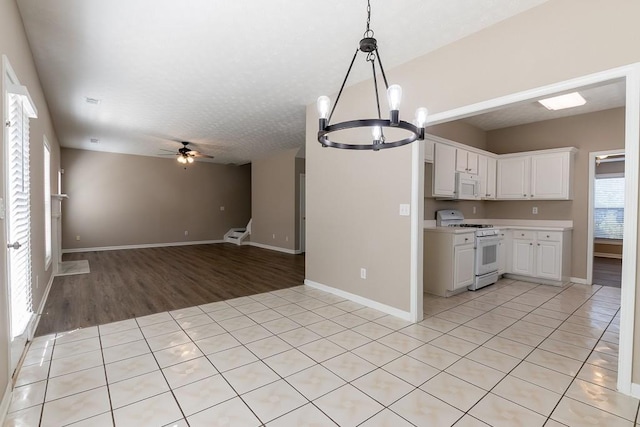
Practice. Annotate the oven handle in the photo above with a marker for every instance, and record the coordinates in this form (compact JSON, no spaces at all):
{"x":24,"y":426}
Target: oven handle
{"x":488,"y":239}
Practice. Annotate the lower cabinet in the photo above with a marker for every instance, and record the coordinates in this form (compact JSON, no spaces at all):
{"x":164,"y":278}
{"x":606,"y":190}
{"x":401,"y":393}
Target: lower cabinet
{"x":502,"y":253}
{"x":449,"y":260}
{"x":541,"y":254}
{"x":463,"y":262}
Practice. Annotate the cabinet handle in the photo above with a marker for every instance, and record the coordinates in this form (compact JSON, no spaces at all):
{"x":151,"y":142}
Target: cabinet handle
{"x":530,"y":244}
{"x":524,"y":195}
{"x":547,"y":236}
{"x":466,"y":238}
{"x":522,"y":234}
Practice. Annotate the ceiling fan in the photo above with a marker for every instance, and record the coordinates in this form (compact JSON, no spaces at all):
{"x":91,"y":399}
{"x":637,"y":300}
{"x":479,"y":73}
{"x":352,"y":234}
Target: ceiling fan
{"x":185,"y":154}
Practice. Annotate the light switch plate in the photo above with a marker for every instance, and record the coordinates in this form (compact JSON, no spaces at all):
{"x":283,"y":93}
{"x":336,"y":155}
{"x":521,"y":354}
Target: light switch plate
{"x":405,"y":210}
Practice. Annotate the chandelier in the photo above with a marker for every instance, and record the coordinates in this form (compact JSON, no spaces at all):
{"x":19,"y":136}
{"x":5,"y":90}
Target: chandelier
{"x":369,"y":46}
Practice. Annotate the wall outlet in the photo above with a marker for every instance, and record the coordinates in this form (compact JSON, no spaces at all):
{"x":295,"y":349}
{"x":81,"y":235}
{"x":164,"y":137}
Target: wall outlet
{"x":405,"y":209}
{"x":286,"y":238}
{"x":221,"y":208}
{"x":37,"y":281}
{"x":186,"y":232}
{"x":474,"y":209}
{"x":273,"y":236}
{"x":363,"y":273}
{"x":78,"y":237}
{"x":534,"y":210}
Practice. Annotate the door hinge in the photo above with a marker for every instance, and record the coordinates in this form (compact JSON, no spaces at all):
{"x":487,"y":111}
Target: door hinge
{"x":8,"y":123}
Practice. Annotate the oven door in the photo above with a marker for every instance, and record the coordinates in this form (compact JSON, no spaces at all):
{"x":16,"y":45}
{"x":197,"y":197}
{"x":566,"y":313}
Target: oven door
{"x":486,"y":254}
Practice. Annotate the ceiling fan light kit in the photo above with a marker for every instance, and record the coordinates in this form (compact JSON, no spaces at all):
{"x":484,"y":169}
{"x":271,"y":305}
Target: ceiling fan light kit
{"x":369,"y":46}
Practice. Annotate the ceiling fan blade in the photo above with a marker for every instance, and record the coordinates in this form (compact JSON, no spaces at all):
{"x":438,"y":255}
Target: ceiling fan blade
{"x":204,"y":156}
{"x":168,"y":151}
{"x":163,"y":154}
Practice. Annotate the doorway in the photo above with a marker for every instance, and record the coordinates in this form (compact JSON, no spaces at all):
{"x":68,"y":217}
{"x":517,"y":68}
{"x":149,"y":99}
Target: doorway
{"x":606,"y":217}
{"x":303,"y":214}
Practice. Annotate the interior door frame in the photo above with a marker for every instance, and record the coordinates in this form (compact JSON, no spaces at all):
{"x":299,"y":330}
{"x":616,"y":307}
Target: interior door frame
{"x":592,"y":178}
{"x":631,"y":75}
{"x":302,"y":229}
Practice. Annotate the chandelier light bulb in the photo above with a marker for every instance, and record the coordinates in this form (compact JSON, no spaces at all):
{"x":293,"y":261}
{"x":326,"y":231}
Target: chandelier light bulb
{"x":421,"y":116}
{"x":182,"y":160}
{"x":376,"y":131}
{"x":394,"y":94}
{"x":189,"y":159}
{"x":323,"y":105}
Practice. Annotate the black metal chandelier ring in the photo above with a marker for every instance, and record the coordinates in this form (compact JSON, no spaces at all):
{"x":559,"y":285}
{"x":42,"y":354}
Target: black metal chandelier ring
{"x":416,"y":133}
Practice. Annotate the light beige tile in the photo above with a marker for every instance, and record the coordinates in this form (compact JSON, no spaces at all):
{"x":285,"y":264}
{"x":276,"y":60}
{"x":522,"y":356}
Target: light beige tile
{"x":600,"y":376}
{"x":27,"y":396}
{"x":526,"y":394}
{"x":348,"y":366}
{"x":307,"y":318}
{"x":281,"y":325}
{"x":273,"y":400}
{"x":565,"y":349}
{"x":372,"y":330}
{"x":555,"y":361}
{"x":315,"y":381}
{"x":132,"y":367}
{"x":300,"y":336}
{"x":67,"y":365}
{"x":321,"y":350}
{"x":232,"y":358}
{"x":507,"y":346}
{"x":434,"y":356}
{"x":439,"y":325}
{"x":574,"y":413}
{"x":268,"y":346}
{"x":604,"y":360}
{"x":177,"y":354}
{"x":136,"y":389}
{"x":544,"y":377}
{"x":454,"y":345}
{"x":499,"y":412}
{"x":348,"y":406}
{"x":469,"y":334}
{"x":469,"y":421}
{"x":217,"y":343}
{"x":187,"y":372}
{"x":493,"y":359}
{"x":203,"y":394}
{"x":76,"y":347}
{"x":475,"y":373}
{"x":155,"y":411}
{"x":421,"y":333}
{"x":422,"y":409}
{"x":235,"y":323}
{"x":230,"y":413}
{"x":76,"y":382}
{"x":376,"y":353}
{"x":456,"y":392}
{"x":250,"y":377}
{"x":349,"y":320}
{"x":386,"y":418}
{"x":160,"y":328}
{"x":306,"y":416}
{"x":289,"y":362}
{"x":76,"y":335}
{"x":122,"y":337}
{"x":185,"y":312}
{"x":574,"y":339}
{"x":411,"y":370}
{"x":125,"y":351}
{"x":24,"y":418}
{"x":160,"y":342}
{"x":604,"y":399}
{"x":251,"y":334}
{"x":382,"y":386}
{"x":102,"y":420}
{"x":76,"y":407}
{"x":349,"y":339}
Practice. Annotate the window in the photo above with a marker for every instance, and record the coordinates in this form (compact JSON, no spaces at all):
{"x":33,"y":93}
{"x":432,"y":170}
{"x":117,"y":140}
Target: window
{"x":47,"y":204}
{"x":609,"y":207}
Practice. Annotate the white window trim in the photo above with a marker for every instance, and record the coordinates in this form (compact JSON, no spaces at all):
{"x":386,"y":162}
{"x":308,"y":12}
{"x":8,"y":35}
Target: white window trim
{"x":48,"y":238}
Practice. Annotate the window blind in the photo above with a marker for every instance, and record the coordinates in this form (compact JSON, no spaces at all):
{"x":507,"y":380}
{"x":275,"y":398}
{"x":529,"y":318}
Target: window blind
{"x":19,"y":214}
{"x":609,"y":207}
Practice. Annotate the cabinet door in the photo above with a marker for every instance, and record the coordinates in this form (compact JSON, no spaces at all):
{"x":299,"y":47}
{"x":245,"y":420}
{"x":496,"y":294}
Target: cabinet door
{"x":429,"y":147}
{"x":513,"y":178}
{"x":522,"y":257}
{"x":548,"y":260}
{"x":461,"y":160}
{"x":463,"y":260}
{"x":550,"y":176}
{"x":483,"y":175}
{"x":502,"y":256}
{"x":472,"y":162}
{"x":491,"y":179}
{"x":444,"y":171}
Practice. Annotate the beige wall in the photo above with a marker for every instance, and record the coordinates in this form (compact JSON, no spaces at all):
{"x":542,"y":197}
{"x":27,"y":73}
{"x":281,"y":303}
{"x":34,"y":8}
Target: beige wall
{"x":275,"y":187}
{"x":300,"y":168}
{"x":14,"y":44}
{"x":118,"y":199}
{"x":352,"y":198}
{"x":598,"y":131}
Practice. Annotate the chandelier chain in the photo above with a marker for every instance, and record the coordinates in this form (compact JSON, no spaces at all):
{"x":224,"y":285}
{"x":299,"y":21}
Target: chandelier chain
{"x":369,"y":32}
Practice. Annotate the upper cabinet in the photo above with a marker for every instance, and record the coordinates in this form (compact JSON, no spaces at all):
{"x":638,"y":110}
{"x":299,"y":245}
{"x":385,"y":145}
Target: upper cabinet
{"x":429,"y":148}
{"x":444,"y":171}
{"x":487,"y":174}
{"x":466,"y":161}
{"x":545,"y":175}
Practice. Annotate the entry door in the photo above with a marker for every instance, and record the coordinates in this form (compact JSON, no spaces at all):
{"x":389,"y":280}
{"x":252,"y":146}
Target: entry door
{"x":19,"y":110}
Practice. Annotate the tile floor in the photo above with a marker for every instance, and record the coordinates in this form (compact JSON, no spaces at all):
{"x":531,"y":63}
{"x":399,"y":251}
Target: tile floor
{"x":513,"y":354}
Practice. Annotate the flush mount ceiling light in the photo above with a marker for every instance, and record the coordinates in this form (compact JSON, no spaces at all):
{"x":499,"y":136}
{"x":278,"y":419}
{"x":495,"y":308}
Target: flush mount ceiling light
{"x":369,"y":46}
{"x":561,"y":102}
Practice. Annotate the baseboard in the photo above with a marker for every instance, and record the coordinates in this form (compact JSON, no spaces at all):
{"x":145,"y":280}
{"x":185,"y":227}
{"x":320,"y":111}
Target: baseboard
{"x":4,"y":404}
{"x":275,"y":248}
{"x":40,"y":310}
{"x":606,"y":255}
{"x":635,"y":390}
{"x":578,"y":280}
{"x":537,"y":280}
{"x":143,"y":246}
{"x":404,"y":315}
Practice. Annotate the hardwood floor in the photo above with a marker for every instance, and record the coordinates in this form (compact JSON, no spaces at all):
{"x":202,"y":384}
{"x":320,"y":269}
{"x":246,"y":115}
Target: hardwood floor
{"x":136,"y":282}
{"x":607,"y":271}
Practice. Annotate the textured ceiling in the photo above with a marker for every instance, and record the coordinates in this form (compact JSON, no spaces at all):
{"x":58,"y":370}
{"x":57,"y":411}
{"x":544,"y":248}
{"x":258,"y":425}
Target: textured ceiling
{"x":233,"y":77}
{"x":601,"y":97}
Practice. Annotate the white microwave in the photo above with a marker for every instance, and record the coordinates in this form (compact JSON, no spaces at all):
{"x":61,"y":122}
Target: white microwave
{"x":467,"y":186}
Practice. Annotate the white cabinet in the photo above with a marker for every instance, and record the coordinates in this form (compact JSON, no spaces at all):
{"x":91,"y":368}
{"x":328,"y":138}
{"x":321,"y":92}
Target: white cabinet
{"x":513,"y":178}
{"x":544,"y":176}
{"x":429,"y":147}
{"x":551,"y":176}
{"x":502,"y":253}
{"x":466,"y":161}
{"x":444,"y":171}
{"x":541,"y":254}
{"x":463,"y":261}
{"x":487,"y":174}
{"x":448,"y":261}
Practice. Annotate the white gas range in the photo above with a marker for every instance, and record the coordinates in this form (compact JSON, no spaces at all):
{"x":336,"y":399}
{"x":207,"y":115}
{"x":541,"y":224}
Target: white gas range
{"x":486,"y":244}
